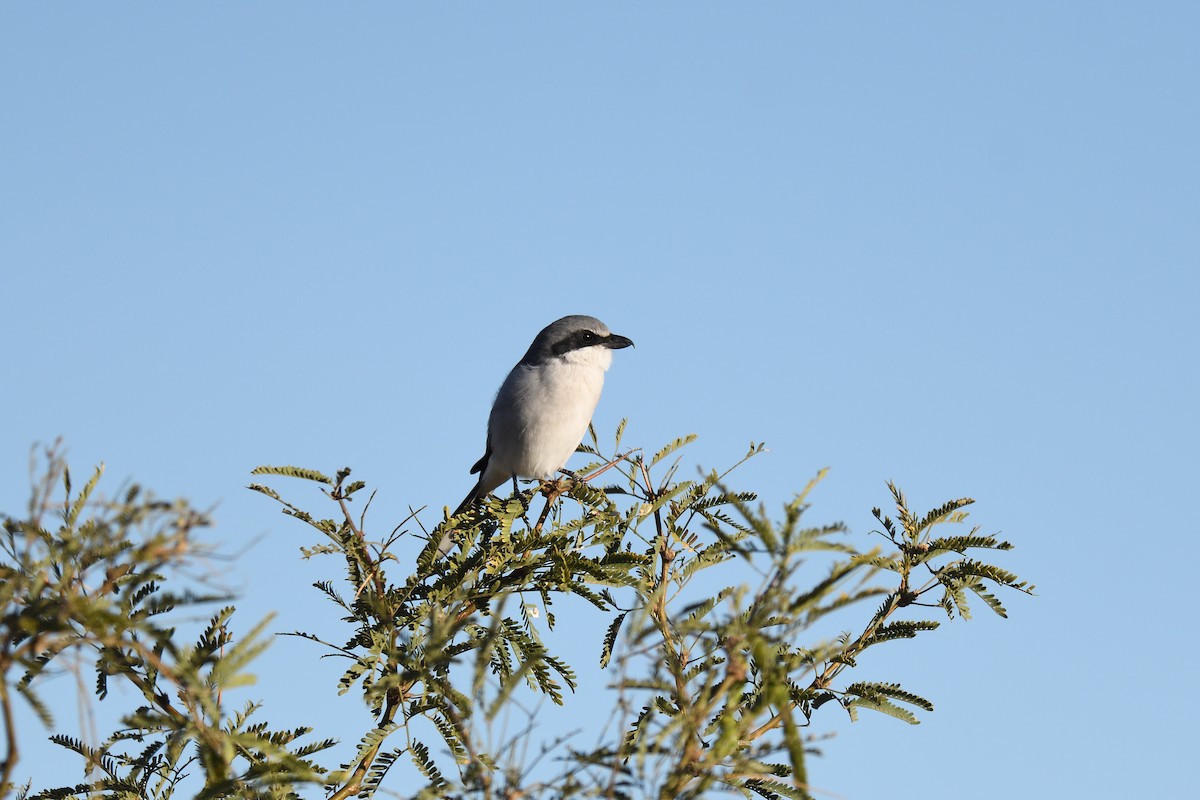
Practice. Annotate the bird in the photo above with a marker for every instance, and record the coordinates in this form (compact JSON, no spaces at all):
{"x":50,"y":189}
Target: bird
{"x":544,"y":406}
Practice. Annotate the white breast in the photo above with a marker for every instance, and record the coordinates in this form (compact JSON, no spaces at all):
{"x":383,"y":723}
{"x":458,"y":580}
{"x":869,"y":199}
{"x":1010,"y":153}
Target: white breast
{"x":542,"y":413}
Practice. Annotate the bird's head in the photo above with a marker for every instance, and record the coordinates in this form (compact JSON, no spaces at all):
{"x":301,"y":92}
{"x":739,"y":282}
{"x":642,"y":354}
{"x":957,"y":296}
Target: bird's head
{"x":577,"y":339}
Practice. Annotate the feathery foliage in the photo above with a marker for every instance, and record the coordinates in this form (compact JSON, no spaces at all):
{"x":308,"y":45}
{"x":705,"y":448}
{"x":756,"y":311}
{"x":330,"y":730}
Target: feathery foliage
{"x":83,"y":575}
{"x":715,"y":690}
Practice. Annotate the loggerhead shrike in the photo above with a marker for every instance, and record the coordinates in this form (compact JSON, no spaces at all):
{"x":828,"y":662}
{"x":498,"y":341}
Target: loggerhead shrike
{"x":545,"y":404}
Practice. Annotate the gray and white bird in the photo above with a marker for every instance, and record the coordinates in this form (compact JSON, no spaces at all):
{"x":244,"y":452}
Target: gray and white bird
{"x":545,"y":404}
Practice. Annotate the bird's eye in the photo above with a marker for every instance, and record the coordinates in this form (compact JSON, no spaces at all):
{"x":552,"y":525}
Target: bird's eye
{"x":588,"y":337}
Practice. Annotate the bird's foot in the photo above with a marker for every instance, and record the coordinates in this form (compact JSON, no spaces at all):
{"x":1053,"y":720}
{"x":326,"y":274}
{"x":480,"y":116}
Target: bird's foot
{"x":552,"y":489}
{"x":558,"y":487}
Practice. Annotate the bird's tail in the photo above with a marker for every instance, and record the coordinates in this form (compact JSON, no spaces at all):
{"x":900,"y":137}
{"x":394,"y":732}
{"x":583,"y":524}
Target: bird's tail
{"x":476,"y":492}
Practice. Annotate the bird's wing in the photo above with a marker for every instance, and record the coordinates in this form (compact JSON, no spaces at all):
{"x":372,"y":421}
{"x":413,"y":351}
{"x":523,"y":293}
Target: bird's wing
{"x":482,"y":463}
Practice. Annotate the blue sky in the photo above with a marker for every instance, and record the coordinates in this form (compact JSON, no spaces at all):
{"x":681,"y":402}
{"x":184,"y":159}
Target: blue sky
{"x":952,"y":245}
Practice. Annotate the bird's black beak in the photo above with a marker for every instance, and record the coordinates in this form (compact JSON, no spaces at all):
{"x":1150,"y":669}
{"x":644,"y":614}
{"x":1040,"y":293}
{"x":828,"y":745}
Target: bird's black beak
{"x":616,"y":342}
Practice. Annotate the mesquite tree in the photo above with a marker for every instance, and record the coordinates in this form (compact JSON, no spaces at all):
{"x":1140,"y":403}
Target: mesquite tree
{"x":704,"y":620}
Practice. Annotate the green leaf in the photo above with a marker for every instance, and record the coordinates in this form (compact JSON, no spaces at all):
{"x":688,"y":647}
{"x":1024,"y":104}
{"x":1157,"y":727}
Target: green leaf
{"x":39,"y":708}
{"x":294,"y":472}
{"x":671,"y":448}
{"x":610,"y":639}
{"x":772,"y":790}
{"x":420,"y":756}
{"x":945,"y":513}
{"x":884,"y":707}
{"x":873,"y":690}
{"x":903,"y":629}
{"x":267,"y":490}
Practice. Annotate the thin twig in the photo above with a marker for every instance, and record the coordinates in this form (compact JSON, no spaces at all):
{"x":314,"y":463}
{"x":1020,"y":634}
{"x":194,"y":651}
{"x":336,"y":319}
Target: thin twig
{"x":10,"y":730}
